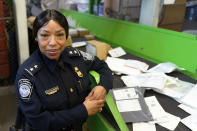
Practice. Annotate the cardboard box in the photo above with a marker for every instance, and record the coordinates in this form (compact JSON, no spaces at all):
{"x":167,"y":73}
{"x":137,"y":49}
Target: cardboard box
{"x":171,"y":14}
{"x":73,"y":33}
{"x":68,"y":41}
{"x":97,"y":48}
{"x":175,"y":27}
{"x":89,"y":37}
{"x":82,"y":32}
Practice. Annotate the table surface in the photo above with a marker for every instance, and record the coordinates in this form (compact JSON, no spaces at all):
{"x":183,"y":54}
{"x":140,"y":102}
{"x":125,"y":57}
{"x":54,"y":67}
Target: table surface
{"x":169,"y":104}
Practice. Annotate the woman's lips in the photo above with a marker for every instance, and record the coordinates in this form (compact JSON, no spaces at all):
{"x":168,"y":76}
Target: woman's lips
{"x":52,"y":52}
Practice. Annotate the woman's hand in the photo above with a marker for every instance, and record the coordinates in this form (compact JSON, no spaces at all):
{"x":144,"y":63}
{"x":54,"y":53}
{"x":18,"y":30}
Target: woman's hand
{"x":94,"y":106}
{"x":95,"y":100}
{"x":98,"y":92}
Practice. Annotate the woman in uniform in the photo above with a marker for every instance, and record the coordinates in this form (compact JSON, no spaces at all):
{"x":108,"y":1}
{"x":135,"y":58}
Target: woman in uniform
{"x":53,"y":85}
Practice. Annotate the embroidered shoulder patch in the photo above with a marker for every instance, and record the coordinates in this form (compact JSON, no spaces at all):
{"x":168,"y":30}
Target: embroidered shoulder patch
{"x":25,"y":88}
{"x":87,"y":56}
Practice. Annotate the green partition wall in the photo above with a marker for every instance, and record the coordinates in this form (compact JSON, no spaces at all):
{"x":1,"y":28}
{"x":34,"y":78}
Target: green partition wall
{"x":154,"y":44}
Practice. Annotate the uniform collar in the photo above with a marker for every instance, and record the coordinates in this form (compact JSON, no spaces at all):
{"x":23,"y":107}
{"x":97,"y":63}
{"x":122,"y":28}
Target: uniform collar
{"x":50,"y":63}
{"x":64,"y":58}
{"x":68,"y":54}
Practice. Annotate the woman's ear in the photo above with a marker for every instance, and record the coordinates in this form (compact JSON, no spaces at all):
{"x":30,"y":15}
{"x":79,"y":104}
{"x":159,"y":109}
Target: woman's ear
{"x":36,"y":39}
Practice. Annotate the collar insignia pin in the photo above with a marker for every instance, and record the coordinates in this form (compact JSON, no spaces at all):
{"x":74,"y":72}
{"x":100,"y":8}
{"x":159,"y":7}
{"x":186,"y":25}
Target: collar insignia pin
{"x":78,"y":72}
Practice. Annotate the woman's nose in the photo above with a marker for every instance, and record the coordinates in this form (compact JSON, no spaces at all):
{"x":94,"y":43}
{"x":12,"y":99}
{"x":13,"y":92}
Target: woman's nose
{"x":52,"y":41}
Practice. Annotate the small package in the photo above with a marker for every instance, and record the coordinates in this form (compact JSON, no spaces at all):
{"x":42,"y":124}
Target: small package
{"x":89,"y":37}
{"x":82,"y":32}
{"x":73,"y":33}
{"x":131,"y":104}
{"x":97,"y":48}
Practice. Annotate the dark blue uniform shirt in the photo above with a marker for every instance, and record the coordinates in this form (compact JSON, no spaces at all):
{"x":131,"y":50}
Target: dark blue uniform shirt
{"x":51,"y":93}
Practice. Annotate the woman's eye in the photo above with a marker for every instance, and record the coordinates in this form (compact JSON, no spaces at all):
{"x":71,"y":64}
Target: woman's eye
{"x":60,"y":35}
{"x":44,"y":35}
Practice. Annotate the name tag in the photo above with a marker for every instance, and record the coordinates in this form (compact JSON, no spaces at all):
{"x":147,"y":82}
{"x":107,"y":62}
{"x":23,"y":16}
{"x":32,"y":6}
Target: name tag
{"x":52,"y":90}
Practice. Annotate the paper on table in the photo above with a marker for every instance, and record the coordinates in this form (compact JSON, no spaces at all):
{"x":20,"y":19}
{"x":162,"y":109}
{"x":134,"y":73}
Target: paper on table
{"x":155,"y":108}
{"x":190,"y":122}
{"x":131,"y":80}
{"x":142,"y":126}
{"x":188,"y":109}
{"x":128,"y":105}
{"x":191,"y":97}
{"x":78,"y":44}
{"x":117,"y":65}
{"x":117,"y":52}
{"x":122,"y":94}
{"x":161,"y":117}
{"x":152,"y":80}
{"x":169,"y":121}
{"x":165,"y":68}
{"x":176,"y":88}
{"x":137,"y":65}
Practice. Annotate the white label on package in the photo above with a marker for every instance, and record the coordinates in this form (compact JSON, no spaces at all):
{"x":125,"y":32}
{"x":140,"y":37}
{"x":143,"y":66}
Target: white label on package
{"x":123,"y":94}
{"x":128,"y":105}
{"x":117,"y":52}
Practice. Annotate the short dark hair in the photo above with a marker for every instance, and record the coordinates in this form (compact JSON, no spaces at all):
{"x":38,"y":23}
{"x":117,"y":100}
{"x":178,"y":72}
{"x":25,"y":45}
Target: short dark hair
{"x":48,"y":15}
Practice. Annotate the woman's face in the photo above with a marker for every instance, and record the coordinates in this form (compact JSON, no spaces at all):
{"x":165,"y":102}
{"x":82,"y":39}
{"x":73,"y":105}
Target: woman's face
{"x":51,"y":39}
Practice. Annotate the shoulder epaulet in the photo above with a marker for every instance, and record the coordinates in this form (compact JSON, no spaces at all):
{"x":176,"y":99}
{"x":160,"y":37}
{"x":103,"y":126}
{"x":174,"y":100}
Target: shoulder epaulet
{"x":33,"y":68}
{"x":31,"y":65}
{"x":72,"y":51}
